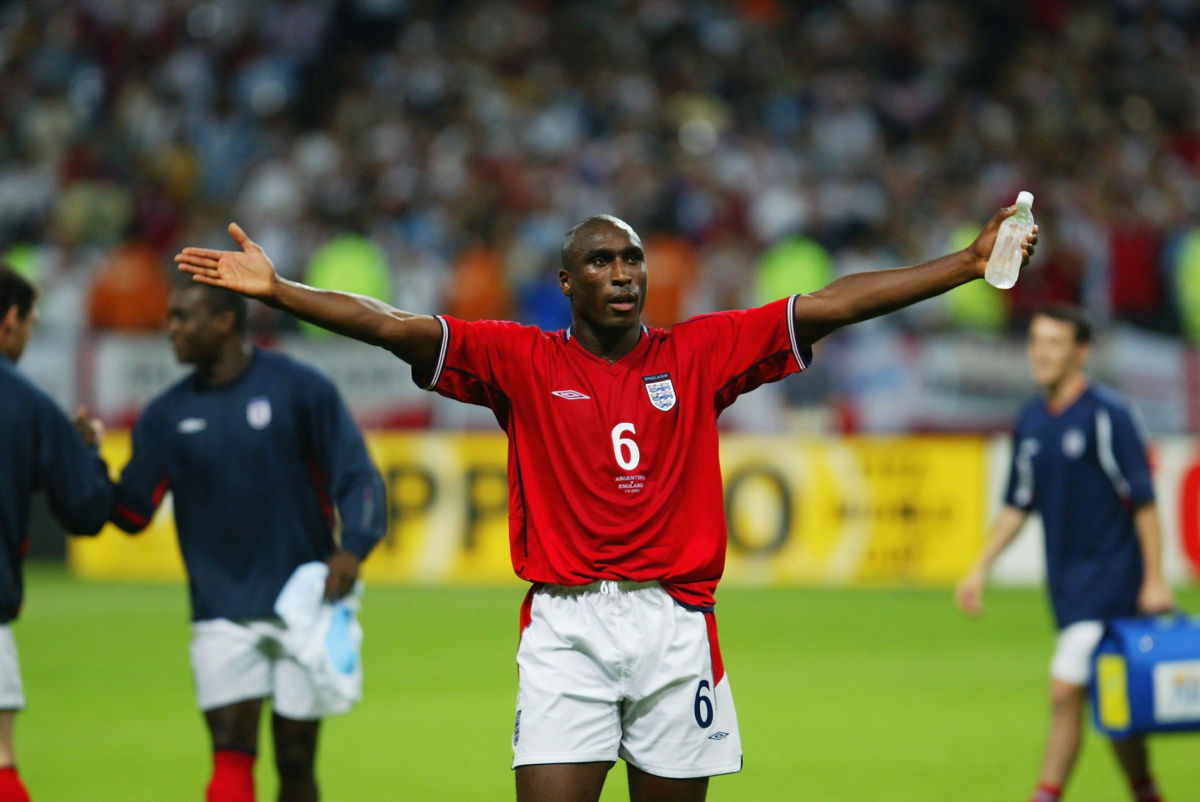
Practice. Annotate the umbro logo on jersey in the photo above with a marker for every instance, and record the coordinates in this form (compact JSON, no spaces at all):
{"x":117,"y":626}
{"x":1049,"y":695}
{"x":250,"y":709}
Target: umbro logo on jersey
{"x":570,"y":395}
{"x":191,"y":425}
{"x":661,"y":391}
{"x":716,"y":736}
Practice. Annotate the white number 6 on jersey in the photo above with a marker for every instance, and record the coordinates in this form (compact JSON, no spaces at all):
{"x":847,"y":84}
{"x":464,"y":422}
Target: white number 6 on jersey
{"x":624,"y":449}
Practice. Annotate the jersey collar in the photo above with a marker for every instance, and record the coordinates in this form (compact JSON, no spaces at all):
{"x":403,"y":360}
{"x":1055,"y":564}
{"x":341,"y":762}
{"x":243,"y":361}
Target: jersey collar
{"x":1058,"y":409}
{"x":637,"y":348}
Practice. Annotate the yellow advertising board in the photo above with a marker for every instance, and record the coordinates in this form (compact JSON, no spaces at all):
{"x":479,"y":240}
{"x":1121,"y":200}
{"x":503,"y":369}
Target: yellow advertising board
{"x":853,"y":510}
{"x":800,"y":510}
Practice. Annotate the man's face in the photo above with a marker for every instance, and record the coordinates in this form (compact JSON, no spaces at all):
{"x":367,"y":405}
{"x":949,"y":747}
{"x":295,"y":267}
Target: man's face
{"x":195,"y":332}
{"x":606,"y":280}
{"x":1053,"y":351}
{"x":16,"y":331}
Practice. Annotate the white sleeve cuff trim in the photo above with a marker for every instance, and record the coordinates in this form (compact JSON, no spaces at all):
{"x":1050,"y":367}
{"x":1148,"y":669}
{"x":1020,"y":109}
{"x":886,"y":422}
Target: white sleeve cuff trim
{"x":791,"y":323}
{"x":441,"y":360}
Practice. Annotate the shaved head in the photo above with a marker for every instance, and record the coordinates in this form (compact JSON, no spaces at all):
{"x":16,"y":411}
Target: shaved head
{"x":569,"y":243}
{"x":219,"y":300}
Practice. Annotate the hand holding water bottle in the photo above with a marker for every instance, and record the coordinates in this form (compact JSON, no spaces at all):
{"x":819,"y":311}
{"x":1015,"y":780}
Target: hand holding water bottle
{"x":1013,"y":246}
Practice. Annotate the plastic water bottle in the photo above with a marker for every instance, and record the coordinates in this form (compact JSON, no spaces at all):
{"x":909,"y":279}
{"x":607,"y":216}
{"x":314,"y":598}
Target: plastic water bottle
{"x":1005,"y":261}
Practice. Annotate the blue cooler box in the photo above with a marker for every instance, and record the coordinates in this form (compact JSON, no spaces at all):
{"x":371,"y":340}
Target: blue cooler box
{"x":1146,"y":676}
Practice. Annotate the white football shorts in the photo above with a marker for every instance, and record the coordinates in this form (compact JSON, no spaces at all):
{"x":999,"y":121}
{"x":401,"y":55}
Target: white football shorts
{"x":1072,"y":661}
{"x":619,"y":669}
{"x":233,"y":661}
{"x":12,"y":693}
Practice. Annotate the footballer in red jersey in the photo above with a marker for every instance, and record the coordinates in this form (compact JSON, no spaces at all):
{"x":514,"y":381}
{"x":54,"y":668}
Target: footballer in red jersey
{"x":612,"y":466}
{"x":615,"y":494}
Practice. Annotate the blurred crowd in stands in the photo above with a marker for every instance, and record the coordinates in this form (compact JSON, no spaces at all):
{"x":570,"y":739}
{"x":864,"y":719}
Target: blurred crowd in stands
{"x":433,"y":153}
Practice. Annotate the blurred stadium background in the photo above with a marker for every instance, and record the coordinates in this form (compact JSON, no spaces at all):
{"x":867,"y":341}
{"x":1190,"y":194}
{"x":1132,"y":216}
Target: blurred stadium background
{"x":433,"y":153}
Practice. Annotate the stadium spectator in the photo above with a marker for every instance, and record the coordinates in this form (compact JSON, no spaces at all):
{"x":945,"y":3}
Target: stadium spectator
{"x":477,"y":289}
{"x":130,"y":291}
{"x":1080,"y":460}
{"x":435,"y":126}
{"x":1136,"y":284}
{"x":260,"y":455}
{"x":675,"y":271}
{"x":1058,"y":281}
{"x":349,"y":263}
{"x":40,"y":449}
{"x":616,"y":514}
{"x":1186,"y":277}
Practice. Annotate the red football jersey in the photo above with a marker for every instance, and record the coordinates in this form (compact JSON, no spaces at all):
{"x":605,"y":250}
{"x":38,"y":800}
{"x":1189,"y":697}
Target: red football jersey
{"x":613,"y":468}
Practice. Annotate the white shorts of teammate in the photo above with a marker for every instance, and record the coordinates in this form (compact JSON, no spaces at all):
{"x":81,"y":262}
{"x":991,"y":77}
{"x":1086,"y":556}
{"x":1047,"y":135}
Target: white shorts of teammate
{"x":12,"y":693}
{"x":1072,"y":661}
{"x":233,"y":661}
{"x":619,"y":669}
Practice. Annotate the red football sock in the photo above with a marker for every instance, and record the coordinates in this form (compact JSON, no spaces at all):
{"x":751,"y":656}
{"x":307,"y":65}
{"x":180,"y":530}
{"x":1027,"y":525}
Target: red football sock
{"x":1046,"y":792}
{"x":233,"y":777}
{"x":11,"y":787}
{"x":1146,"y":791}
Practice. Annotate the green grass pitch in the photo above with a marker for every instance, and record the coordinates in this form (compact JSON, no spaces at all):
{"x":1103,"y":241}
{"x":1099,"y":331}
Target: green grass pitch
{"x":881,"y":695}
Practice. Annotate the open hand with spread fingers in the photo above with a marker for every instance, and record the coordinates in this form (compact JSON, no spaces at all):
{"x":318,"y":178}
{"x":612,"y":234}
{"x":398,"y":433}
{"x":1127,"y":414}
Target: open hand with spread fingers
{"x":248,"y":271}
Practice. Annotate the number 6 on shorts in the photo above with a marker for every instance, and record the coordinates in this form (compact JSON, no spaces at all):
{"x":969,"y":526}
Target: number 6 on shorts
{"x":703,"y":706}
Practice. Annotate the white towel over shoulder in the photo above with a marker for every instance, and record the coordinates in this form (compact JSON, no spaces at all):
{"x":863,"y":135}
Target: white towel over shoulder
{"x":324,"y":637}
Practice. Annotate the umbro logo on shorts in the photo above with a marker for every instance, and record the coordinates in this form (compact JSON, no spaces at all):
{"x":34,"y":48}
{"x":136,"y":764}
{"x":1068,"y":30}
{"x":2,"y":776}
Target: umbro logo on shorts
{"x":716,"y":736}
{"x":570,"y":395}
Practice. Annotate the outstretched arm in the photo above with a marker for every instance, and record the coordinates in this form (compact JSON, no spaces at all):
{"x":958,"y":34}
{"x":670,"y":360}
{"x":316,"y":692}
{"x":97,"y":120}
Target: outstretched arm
{"x":861,"y":296}
{"x":71,"y":470}
{"x":413,"y":338}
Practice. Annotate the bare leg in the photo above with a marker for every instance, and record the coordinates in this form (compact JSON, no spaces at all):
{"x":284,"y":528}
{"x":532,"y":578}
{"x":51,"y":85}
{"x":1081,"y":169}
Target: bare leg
{"x":8,"y":752}
{"x":1066,"y":732}
{"x":234,"y":731}
{"x":296,"y":758}
{"x":561,"y":782}
{"x":235,"y":726}
{"x":645,"y":787}
{"x":1134,"y":759}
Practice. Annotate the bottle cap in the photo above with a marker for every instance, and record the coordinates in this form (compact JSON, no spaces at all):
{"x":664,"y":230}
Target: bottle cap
{"x":1025,"y":199}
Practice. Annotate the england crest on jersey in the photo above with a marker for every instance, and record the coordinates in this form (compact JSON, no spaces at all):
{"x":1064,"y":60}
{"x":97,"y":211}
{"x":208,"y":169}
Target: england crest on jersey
{"x":258,"y":412}
{"x":1074,"y":443}
{"x":661,"y":391}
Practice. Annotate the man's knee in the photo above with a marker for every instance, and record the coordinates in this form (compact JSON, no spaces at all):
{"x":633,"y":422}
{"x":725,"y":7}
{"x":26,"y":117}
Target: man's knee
{"x":1066,"y":697}
{"x":235,"y":726}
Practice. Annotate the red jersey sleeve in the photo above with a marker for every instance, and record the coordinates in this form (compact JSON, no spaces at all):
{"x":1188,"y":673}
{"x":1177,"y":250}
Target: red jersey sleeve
{"x":478,"y":361}
{"x":745,"y":348}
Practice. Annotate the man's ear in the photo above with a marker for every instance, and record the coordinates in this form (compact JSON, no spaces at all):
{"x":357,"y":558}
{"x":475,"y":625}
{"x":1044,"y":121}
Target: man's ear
{"x":564,"y":281}
{"x":228,"y":321}
{"x":10,"y":319}
{"x":8,"y":325}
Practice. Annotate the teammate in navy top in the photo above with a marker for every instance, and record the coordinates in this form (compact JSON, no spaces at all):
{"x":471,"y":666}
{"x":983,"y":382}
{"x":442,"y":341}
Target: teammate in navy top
{"x":1079,"y":459}
{"x":40,"y":449}
{"x":615,"y":500}
{"x":258,"y":451}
